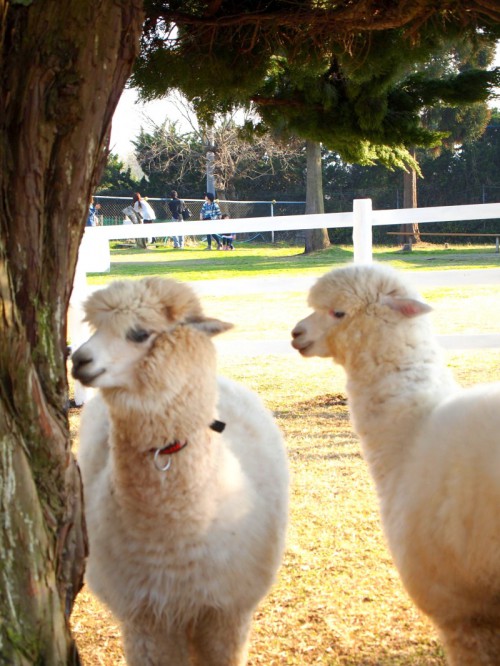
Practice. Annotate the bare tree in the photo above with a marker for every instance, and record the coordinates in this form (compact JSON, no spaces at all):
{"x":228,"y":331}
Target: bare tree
{"x":164,"y":147}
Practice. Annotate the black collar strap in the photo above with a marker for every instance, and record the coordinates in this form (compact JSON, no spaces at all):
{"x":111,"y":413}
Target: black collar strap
{"x":218,"y":426}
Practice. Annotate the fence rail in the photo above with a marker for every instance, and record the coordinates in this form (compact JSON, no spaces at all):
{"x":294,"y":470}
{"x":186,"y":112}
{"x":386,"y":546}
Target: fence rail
{"x":95,"y":256}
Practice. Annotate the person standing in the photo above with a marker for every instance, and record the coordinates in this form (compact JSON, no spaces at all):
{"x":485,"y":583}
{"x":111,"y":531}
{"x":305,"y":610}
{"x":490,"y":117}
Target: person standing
{"x":211,"y":211}
{"x":145,"y":210}
{"x":227,"y":237}
{"x":176,"y":207}
{"x":92,"y":218}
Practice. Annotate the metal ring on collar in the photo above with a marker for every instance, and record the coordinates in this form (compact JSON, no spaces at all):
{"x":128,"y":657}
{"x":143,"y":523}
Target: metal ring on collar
{"x":158,"y":464}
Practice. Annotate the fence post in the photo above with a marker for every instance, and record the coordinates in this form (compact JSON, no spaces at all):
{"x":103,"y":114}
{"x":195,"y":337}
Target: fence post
{"x":272,"y":215}
{"x":362,"y":231}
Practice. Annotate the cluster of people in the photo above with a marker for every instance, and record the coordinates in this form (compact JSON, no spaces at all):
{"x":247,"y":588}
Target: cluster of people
{"x":210,"y":210}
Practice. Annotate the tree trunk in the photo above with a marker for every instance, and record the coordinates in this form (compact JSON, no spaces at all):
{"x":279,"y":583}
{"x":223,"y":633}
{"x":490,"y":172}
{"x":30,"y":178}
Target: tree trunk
{"x":316,"y":239}
{"x":62,"y":68}
{"x":409,"y":201}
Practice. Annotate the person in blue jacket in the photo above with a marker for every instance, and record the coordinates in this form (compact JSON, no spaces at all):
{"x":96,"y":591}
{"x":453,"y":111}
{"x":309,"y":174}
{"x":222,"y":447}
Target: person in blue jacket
{"x":92,"y":218}
{"x":211,"y":211}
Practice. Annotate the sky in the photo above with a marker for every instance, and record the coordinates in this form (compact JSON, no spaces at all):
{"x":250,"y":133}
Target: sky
{"x":130,"y":115}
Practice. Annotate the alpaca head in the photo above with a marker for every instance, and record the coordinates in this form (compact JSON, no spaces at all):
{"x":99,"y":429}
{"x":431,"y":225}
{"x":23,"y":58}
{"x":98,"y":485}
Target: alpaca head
{"x":138,"y":326}
{"x":352,"y":305}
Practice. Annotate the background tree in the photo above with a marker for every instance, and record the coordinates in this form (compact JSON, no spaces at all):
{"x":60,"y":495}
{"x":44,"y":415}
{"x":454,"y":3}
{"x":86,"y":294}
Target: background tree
{"x":459,"y":174}
{"x":117,"y":179}
{"x":171,"y":160}
{"x":465,"y":173}
{"x":316,"y":239}
{"x":314,"y":71}
{"x":315,"y":74}
{"x":458,"y":120}
{"x":174,"y":160}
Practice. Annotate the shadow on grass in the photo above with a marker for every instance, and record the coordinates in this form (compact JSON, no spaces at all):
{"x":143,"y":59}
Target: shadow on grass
{"x":435,"y":257}
{"x":315,"y":407}
{"x":332,"y":436}
{"x":312,"y":454}
{"x":232,"y":265}
{"x":268,"y":259}
{"x":428,"y":658}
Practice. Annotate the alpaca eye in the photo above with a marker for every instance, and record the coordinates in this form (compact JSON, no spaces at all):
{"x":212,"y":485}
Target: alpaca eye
{"x":138,"y":335}
{"x":337,"y":314}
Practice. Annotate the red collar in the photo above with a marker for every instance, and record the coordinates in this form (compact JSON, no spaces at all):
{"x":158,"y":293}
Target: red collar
{"x":176,"y":446}
{"x":171,"y":448}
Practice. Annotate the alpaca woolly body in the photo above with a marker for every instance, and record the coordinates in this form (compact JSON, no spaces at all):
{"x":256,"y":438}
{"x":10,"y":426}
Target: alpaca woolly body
{"x":182,"y":557}
{"x":432,"y":447}
{"x":209,"y":567}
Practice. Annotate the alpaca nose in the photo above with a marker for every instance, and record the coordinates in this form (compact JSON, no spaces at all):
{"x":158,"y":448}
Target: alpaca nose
{"x":296,"y":333}
{"x":80,"y":359}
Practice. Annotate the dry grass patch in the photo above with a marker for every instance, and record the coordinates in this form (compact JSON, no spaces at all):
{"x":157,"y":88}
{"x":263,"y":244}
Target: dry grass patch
{"x":338,"y":599}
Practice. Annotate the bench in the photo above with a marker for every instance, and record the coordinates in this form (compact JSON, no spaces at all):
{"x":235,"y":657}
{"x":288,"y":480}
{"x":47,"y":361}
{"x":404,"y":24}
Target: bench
{"x":449,"y":235}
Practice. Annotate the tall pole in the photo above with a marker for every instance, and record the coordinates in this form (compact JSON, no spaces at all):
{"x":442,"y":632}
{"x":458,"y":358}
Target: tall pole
{"x":210,"y":160}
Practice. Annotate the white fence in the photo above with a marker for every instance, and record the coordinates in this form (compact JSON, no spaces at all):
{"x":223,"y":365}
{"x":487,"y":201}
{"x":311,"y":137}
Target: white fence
{"x":95,"y":256}
{"x":94,"y":249}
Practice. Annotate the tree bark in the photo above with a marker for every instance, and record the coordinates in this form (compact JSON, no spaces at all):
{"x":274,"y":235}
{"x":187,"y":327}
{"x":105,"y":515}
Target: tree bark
{"x":316,"y":239}
{"x":62,"y":68}
{"x":410,"y":201}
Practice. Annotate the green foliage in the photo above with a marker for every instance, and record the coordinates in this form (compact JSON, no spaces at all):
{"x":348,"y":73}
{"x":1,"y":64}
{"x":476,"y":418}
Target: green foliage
{"x":467,"y":174}
{"x":117,"y":179}
{"x":171,"y":160}
{"x":460,"y":174}
{"x":361,"y":92}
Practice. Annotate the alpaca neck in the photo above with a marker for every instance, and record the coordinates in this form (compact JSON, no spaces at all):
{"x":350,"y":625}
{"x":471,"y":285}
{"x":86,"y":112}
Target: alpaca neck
{"x":390,"y":398}
{"x":146,"y":490}
{"x":136,"y":434}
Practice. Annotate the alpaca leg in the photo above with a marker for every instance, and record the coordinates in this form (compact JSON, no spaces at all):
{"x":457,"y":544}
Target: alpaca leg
{"x":472,"y":643}
{"x":221,"y":639}
{"x":157,"y":646}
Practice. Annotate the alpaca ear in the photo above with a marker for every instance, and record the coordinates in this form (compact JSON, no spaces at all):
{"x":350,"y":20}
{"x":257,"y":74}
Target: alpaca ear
{"x":408,"y":307}
{"x":172,"y":313}
{"x":209,"y":326}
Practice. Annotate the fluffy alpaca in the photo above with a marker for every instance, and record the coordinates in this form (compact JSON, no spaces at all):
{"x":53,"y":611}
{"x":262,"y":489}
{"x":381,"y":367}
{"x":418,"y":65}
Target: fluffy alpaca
{"x":78,"y":330}
{"x":186,"y":524}
{"x":432,"y":447}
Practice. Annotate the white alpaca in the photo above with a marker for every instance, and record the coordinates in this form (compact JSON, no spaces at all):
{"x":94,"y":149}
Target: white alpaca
{"x":78,"y":330}
{"x":432,"y":447}
{"x":186,"y":522}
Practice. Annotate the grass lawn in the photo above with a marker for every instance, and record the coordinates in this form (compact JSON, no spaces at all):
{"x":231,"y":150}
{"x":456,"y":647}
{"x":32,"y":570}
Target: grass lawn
{"x":337,"y":600}
{"x":280,"y":260}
